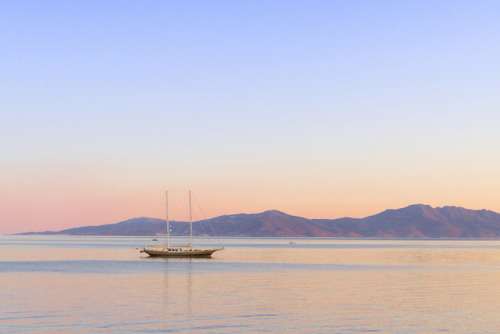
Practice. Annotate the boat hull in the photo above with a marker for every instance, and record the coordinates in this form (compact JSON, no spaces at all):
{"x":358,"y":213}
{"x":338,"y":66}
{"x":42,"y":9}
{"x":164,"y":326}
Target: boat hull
{"x":180,"y":253}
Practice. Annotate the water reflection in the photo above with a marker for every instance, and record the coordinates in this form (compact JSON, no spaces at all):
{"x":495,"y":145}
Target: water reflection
{"x":256,"y":286}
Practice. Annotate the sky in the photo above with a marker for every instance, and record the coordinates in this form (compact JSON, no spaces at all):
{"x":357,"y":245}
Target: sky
{"x":320,"y":109}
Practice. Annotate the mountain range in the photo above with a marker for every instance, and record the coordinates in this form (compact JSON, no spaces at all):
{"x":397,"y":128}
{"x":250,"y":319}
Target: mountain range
{"x":414,"y":221}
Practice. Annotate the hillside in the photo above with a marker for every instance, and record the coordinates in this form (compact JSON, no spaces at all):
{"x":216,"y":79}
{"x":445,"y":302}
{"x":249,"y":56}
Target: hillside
{"x":415,"y":221}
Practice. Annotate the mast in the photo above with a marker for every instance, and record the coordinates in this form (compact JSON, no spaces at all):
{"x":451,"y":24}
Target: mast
{"x":190,"y":222}
{"x":168,"y":223}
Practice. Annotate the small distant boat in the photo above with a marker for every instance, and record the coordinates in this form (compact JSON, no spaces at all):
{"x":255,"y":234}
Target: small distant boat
{"x":292,"y":243}
{"x":155,"y":239}
{"x":167,"y":250}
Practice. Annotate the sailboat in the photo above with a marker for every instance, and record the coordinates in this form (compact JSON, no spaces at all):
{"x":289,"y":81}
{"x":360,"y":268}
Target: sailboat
{"x":167,"y":250}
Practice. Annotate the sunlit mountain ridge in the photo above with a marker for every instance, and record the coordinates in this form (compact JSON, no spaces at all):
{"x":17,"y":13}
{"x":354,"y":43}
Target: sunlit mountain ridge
{"x":414,"y":221}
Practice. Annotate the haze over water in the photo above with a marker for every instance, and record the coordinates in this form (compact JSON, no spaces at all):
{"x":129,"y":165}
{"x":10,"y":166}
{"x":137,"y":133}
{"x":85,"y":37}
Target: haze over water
{"x":87,"y":284}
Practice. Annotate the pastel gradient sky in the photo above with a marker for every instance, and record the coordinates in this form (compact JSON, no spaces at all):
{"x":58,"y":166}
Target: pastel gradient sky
{"x":322,"y":109}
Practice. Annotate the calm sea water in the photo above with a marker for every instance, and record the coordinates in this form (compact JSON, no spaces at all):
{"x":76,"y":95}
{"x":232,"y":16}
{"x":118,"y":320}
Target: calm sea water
{"x":51,"y":284}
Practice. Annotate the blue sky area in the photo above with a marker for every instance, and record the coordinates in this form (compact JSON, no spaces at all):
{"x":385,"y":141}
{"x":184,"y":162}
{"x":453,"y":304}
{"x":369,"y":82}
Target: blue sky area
{"x":318,"y":108}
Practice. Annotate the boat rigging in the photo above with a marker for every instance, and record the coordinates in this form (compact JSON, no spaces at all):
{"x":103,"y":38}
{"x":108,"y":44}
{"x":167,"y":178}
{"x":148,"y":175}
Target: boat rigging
{"x":168,"y":250}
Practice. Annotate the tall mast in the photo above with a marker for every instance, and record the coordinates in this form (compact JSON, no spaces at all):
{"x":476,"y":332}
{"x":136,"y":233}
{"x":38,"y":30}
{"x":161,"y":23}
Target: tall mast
{"x":190,"y":222}
{"x":168,"y":223}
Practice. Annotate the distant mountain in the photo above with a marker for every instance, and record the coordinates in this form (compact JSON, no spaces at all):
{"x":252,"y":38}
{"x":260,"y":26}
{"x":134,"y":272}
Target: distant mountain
{"x":134,"y":226}
{"x":414,"y":221}
{"x":420,"y":221}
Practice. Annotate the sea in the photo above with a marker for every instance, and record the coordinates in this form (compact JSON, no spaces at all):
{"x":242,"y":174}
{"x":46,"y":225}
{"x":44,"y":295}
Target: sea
{"x":87,"y":284}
